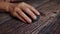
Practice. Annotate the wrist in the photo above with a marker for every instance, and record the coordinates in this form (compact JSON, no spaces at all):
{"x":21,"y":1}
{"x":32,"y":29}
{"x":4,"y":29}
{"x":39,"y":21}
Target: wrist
{"x":6,"y":6}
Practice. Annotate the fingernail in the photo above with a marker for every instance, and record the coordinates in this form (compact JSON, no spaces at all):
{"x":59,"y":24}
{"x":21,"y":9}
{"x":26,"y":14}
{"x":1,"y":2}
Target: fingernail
{"x":38,"y":13}
{"x":35,"y":17}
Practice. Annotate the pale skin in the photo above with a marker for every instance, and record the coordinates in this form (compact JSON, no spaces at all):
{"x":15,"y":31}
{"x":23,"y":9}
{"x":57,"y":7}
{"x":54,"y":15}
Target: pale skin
{"x":16,"y":11}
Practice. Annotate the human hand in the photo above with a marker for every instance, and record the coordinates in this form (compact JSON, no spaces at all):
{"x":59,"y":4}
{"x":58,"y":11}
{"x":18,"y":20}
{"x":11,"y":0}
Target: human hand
{"x":20,"y":11}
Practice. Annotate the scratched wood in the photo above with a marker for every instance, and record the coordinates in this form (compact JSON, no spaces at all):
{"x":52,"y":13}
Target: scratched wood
{"x":47,"y":24}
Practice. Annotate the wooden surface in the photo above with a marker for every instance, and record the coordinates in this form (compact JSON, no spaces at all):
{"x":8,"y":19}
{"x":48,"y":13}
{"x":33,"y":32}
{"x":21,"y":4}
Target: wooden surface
{"x":49,"y":22}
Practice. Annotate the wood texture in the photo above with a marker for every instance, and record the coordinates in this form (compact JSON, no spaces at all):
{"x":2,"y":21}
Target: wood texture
{"x":49,"y":22}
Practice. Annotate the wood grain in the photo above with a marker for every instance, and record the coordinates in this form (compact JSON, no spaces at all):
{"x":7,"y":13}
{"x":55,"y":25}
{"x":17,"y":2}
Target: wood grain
{"x":49,"y":22}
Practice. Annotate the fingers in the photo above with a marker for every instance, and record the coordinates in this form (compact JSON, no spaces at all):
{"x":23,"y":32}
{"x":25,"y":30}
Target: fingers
{"x":20,"y":17}
{"x":29,"y":12}
{"x":23,"y":15}
{"x":33,"y":9}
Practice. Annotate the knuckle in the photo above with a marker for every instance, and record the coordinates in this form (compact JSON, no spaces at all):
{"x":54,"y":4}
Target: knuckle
{"x":22,"y":2}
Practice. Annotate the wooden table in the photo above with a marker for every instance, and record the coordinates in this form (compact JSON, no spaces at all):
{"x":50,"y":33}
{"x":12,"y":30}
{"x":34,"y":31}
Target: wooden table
{"x":49,"y":22}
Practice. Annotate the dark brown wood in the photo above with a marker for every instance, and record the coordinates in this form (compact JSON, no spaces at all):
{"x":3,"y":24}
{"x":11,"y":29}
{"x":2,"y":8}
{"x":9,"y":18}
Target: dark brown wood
{"x":49,"y":22}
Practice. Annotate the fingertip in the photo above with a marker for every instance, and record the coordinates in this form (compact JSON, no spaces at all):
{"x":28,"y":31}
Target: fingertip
{"x":38,"y":13}
{"x":34,"y":17}
{"x":30,"y":21}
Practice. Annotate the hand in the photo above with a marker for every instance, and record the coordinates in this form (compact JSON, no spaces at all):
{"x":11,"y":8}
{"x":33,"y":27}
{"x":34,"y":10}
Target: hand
{"x":20,"y":9}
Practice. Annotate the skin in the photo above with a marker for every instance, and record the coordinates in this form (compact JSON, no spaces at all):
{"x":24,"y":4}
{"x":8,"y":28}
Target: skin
{"x":16,"y":11}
